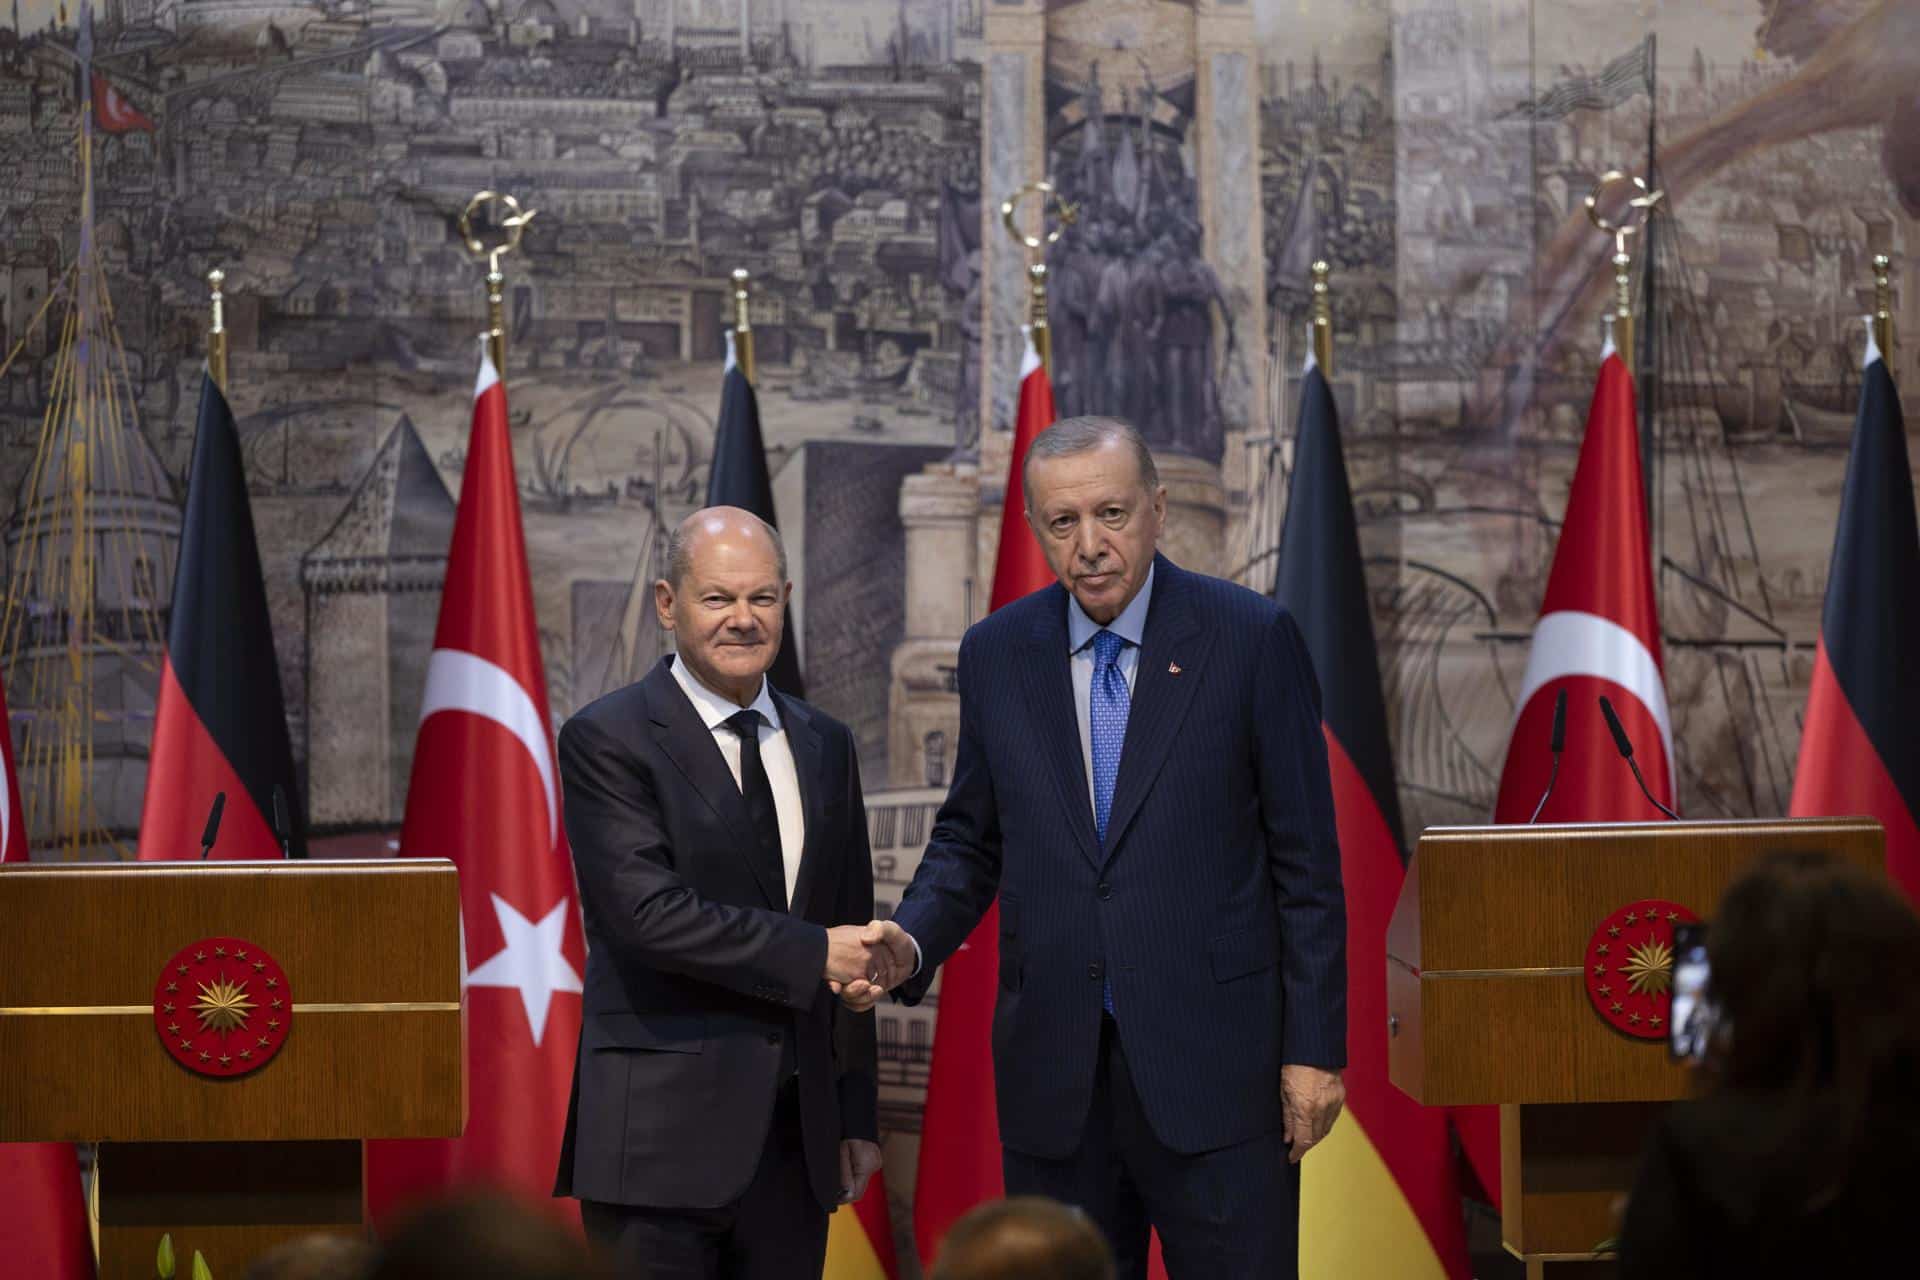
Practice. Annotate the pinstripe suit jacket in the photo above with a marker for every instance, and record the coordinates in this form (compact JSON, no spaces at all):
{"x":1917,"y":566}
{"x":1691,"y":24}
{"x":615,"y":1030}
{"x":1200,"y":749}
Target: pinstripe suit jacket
{"x":1215,"y":908}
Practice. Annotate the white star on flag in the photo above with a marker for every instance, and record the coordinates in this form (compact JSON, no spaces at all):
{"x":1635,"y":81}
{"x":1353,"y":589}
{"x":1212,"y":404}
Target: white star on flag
{"x":531,"y":961}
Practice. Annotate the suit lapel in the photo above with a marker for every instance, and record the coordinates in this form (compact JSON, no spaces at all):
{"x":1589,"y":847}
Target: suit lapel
{"x":690,"y":745}
{"x":808,"y":765}
{"x":1049,"y":683}
{"x":1170,"y":669}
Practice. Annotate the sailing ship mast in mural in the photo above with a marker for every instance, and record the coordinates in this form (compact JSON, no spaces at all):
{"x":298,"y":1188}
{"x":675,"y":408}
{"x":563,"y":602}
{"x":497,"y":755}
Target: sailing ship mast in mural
{"x":90,"y":551}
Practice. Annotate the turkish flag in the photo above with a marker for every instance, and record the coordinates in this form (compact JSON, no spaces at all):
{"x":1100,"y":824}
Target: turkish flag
{"x":1598,"y":634}
{"x":485,"y":793}
{"x":43,"y":1219}
{"x":113,"y":112}
{"x":960,"y":1135}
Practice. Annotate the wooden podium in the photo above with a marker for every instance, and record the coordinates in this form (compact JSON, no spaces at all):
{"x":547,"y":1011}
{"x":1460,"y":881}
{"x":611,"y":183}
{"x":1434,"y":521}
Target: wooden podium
{"x":1487,"y":997}
{"x":367,"y":1040}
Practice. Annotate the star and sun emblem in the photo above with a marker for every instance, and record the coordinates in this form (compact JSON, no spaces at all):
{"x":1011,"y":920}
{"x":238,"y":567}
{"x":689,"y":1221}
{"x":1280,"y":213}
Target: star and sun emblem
{"x":220,"y":1007}
{"x":1629,"y":970}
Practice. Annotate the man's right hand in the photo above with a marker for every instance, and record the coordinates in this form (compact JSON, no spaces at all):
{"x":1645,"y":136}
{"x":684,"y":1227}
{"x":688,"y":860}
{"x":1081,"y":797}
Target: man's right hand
{"x":894,"y":960}
{"x":849,"y":957}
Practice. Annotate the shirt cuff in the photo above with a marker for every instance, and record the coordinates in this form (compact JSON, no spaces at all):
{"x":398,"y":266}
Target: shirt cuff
{"x":918,"y":960}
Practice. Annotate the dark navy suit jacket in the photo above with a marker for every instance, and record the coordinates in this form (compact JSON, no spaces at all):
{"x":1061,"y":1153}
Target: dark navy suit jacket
{"x":1215,"y":909}
{"x":702,"y":987}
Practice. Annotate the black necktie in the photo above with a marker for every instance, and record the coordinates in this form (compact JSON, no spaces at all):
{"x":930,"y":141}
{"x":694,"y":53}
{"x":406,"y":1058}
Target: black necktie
{"x":758,"y":793}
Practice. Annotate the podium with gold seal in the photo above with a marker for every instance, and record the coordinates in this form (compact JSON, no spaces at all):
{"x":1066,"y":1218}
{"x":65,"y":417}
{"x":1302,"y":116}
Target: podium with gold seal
{"x":1530,"y":967}
{"x":229,"y":1033}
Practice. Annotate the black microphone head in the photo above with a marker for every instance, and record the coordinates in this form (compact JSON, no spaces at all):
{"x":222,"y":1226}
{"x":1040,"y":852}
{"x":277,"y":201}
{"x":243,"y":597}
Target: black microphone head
{"x":1559,"y":742}
{"x":213,"y":820}
{"x":1613,"y":726}
{"x":280,"y":827}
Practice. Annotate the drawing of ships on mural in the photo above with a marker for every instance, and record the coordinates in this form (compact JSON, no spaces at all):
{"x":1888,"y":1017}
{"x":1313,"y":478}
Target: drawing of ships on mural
{"x":1449,"y":646}
{"x":91,"y":548}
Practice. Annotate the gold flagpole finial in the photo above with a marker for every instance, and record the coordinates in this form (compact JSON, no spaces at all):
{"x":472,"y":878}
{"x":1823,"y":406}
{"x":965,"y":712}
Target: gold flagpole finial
{"x":1883,"y":306}
{"x":514,"y":224}
{"x":1644,"y":200}
{"x":1064,"y":216}
{"x":743,"y":325}
{"x":1322,"y":320}
{"x":217,"y":334}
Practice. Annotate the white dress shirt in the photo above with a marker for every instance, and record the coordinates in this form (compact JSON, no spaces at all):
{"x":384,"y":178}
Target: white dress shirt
{"x":776,"y":757}
{"x":1130,"y":626}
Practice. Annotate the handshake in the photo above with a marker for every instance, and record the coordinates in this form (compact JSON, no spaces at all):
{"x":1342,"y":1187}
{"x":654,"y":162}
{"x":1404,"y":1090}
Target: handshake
{"x":865,"y":961}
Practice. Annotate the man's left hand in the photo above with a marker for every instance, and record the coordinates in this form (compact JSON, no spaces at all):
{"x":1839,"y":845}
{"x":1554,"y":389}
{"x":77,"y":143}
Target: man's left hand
{"x":1310,"y":1101}
{"x":859,"y":1161}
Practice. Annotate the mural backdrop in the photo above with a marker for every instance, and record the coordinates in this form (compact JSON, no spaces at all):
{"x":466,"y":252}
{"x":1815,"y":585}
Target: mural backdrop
{"x":851,"y":154}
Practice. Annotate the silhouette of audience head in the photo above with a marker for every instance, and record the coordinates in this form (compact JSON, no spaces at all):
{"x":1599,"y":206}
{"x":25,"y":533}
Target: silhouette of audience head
{"x":315,"y":1257}
{"x":1807,"y":956}
{"x":483,"y":1234}
{"x":1024,"y":1238}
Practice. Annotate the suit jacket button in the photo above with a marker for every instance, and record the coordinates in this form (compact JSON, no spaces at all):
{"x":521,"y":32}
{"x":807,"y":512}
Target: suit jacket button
{"x":773,"y":1037}
{"x":1104,"y":891}
{"x":1094,"y":970}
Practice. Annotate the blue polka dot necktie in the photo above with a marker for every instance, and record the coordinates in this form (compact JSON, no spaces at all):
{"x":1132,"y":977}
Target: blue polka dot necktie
{"x":1107,"y":703}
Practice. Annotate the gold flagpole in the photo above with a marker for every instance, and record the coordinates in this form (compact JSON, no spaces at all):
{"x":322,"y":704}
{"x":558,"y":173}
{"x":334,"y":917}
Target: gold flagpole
{"x":743,"y":325}
{"x":1322,"y":320}
{"x":217,"y":335}
{"x":1883,"y":306}
{"x":1064,"y":215}
{"x":514,"y":224}
{"x":1622,"y":317}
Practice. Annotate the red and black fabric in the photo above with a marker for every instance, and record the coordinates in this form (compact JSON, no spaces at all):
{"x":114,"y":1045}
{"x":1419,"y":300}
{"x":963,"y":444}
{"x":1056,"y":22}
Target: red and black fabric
{"x":220,"y":723}
{"x":1321,"y":580}
{"x":739,"y":478}
{"x":1859,"y":753}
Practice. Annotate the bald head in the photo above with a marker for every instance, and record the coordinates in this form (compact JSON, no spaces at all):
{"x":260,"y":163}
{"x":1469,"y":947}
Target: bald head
{"x":734,"y":525}
{"x":724,"y":598}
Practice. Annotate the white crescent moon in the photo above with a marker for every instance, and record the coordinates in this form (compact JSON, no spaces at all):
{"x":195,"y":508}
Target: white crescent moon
{"x":462,"y":681}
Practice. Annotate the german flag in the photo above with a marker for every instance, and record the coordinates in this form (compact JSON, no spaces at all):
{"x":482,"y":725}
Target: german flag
{"x":1857,"y":752}
{"x":860,"y":1238}
{"x":1379,"y":1196}
{"x":220,"y":724}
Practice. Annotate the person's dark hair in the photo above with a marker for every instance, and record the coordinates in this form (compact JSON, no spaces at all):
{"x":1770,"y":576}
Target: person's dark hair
{"x":483,"y":1234}
{"x":680,"y":548}
{"x":1023,"y":1238}
{"x":1088,"y":432}
{"x":1809,"y":961}
{"x":315,"y":1257}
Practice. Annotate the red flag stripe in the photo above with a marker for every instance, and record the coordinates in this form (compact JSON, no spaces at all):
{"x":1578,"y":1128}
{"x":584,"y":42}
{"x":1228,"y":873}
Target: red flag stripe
{"x":186,"y":769}
{"x":1410,"y":1139}
{"x":1842,"y":774}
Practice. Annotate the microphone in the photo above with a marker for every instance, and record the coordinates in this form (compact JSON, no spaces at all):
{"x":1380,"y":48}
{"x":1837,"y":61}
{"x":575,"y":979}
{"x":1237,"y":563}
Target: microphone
{"x":213,"y":825}
{"x":281,"y":826}
{"x":1556,"y":745}
{"x":1626,"y":753}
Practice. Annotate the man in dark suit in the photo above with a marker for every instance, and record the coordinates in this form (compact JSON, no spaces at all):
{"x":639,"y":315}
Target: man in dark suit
{"x":1141,"y":777}
{"x":723,"y":1099}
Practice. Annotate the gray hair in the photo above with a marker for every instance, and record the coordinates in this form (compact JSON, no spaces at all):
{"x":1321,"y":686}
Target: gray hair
{"x":680,"y":545}
{"x":1083,"y":434}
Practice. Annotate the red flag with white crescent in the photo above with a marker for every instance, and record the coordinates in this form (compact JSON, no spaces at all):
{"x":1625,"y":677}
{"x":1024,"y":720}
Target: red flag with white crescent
{"x":113,"y":113}
{"x":1598,"y":634}
{"x":485,"y":793}
{"x":43,"y":1218}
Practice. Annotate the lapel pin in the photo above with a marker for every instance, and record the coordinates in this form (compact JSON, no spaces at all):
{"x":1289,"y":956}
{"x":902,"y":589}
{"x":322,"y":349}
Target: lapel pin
{"x":1173,"y":668}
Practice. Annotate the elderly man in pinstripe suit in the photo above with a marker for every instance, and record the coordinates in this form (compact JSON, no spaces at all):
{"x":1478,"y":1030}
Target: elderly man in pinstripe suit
{"x":1141,"y":778}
